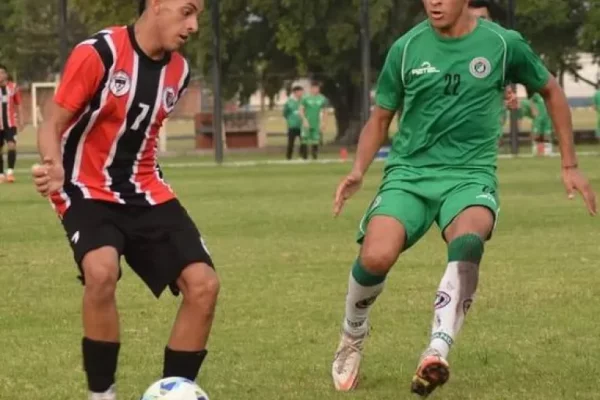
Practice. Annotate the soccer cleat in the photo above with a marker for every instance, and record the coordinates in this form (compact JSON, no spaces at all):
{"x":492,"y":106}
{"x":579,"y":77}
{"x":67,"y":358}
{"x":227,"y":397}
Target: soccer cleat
{"x":346,"y":363}
{"x":10,"y":178}
{"x":433,"y":371}
{"x":110,"y":394}
{"x":2,"y":178}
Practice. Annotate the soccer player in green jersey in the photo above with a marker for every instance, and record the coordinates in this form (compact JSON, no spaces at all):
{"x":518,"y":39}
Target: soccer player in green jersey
{"x":597,"y":107}
{"x":313,"y":116}
{"x":291,"y":113}
{"x":542,"y":124}
{"x":446,"y":77}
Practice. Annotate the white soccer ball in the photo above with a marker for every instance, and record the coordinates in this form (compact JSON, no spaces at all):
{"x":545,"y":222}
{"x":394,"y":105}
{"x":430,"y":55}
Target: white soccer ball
{"x":174,"y":389}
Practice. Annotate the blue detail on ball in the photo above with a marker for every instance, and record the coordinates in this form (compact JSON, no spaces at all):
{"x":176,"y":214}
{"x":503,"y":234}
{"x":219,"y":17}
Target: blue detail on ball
{"x":168,"y":386}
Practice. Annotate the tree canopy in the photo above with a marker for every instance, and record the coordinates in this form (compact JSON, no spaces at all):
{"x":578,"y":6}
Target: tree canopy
{"x":267,"y":44}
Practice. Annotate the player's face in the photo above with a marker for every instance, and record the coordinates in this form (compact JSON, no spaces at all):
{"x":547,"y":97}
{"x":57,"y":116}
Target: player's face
{"x":177,"y":20}
{"x":315,"y":90}
{"x":299,"y":93}
{"x":3,"y":75}
{"x":481,"y":12}
{"x":444,"y":13}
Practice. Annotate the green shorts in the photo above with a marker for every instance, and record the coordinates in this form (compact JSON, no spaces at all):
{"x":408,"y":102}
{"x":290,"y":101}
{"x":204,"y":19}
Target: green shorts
{"x":417,"y":198}
{"x":542,"y":127}
{"x":310,"y":136}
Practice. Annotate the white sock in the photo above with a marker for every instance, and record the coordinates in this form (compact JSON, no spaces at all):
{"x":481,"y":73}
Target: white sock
{"x":110,"y":394}
{"x":9,"y":171}
{"x":359,"y":301}
{"x":454,"y":297}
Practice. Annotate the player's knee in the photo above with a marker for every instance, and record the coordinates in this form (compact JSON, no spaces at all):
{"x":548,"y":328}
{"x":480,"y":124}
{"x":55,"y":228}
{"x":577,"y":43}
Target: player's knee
{"x":101,"y":278}
{"x":11,"y":145}
{"x":200,"y":287}
{"x":377,"y":259}
{"x":468,"y":247}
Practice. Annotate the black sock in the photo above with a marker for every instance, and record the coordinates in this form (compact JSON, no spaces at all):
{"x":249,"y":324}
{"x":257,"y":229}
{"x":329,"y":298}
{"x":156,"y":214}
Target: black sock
{"x":183,"y":364}
{"x":100,"y":363}
{"x":1,"y":161}
{"x":12,"y":158}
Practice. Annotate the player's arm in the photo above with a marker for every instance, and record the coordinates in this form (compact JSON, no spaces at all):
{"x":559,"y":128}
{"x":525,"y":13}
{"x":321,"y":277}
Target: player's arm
{"x":19,"y":104}
{"x":302,"y":112}
{"x":81,"y":78}
{"x":388,"y":100}
{"x":527,"y":68}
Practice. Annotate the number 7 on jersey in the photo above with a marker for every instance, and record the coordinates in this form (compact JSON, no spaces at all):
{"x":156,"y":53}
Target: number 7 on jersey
{"x":143,"y":113}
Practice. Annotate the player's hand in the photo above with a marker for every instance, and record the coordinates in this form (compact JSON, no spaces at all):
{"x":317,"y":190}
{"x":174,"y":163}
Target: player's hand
{"x":347,"y":187}
{"x":511,"y":101}
{"x":574,"y":180}
{"x":48,"y":177}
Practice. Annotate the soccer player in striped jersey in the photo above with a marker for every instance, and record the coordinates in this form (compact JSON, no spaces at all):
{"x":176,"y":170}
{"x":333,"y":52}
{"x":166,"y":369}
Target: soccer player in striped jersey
{"x":98,"y":146}
{"x":10,"y":122}
{"x":447,"y":78}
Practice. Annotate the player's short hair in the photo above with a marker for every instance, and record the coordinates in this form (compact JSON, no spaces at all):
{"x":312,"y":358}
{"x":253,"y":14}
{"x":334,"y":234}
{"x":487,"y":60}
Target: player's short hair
{"x":494,"y":9}
{"x":315,"y":83}
{"x":2,"y":66}
{"x":297,"y":88}
{"x":142,"y":6}
{"x":480,"y":4}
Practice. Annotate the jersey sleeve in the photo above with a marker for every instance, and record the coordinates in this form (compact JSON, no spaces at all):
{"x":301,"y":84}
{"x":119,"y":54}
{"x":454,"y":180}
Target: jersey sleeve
{"x":17,"y":96}
{"x":524,"y":65}
{"x":390,"y":85}
{"x":81,"y":78}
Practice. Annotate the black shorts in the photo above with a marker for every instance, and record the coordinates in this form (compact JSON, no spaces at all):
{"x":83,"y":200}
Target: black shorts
{"x":293,"y":132}
{"x":8,"y":135}
{"x":158,"y":242}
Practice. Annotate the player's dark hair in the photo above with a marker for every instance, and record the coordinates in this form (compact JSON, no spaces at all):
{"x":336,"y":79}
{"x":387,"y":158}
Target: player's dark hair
{"x":494,"y":9}
{"x":315,"y":83}
{"x":2,"y":66}
{"x":142,"y":6}
{"x":480,"y":4}
{"x":297,"y":88}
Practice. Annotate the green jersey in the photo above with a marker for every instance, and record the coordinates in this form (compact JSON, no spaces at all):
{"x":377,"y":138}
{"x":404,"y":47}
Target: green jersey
{"x":451,"y":93}
{"x":291,"y":113}
{"x":525,"y":109}
{"x":313,"y":106}
{"x":542,"y":111}
{"x":597,"y":101}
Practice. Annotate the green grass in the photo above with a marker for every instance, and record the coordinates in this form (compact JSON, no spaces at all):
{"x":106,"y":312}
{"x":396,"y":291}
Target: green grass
{"x":284,"y":261}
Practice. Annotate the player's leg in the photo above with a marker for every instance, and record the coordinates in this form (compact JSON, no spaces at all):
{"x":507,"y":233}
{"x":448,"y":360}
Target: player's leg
{"x":2,"y":176}
{"x":290,"y":144}
{"x":169,"y":251}
{"x":11,"y":144}
{"x":96,"y":245}
{"x":304,"y":139}
{"x":395,"y":220}
{"x":318,"y":141}
{"x":186,"y":349}
{"x":467,"y":218}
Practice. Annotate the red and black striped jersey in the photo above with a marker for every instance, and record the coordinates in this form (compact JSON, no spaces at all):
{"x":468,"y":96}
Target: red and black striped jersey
{"x":10,"y":98}
{"x":120,"y":98}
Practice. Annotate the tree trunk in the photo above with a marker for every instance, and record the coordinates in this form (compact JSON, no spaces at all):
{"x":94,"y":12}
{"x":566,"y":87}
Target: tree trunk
{"x":345,"y":100}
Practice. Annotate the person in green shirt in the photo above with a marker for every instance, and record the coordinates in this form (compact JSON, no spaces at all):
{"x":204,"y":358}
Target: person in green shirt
{"x":447,"y":79}
{"x":313,"y":115}
{"x":542,"y":124}
{"x":597,"y":107}
{"x":291,"y":113}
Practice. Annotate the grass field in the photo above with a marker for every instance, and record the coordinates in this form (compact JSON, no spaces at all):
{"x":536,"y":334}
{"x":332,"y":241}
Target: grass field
{"x":284,"y":261}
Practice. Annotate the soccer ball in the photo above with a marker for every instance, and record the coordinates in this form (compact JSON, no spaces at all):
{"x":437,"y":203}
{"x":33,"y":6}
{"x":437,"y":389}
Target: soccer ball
{"x":174,"y":389}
